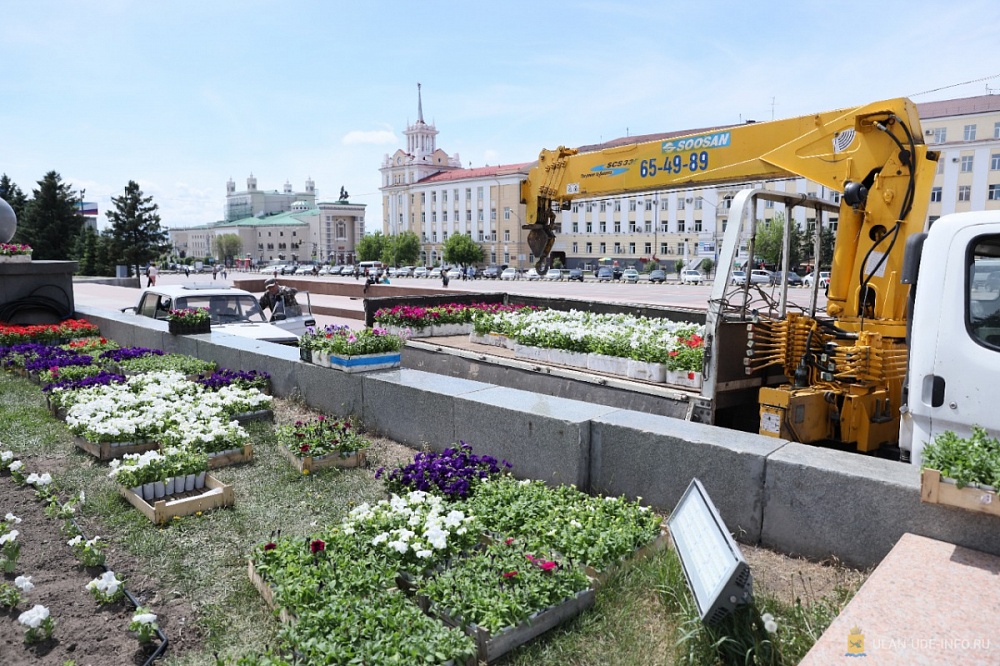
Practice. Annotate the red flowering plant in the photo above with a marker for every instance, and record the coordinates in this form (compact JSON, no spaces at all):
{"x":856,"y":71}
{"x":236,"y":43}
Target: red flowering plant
{"x":13,"y":334}
{"x":190,"y":316}
{"x":687,"y":353}
{"x":322,"y":436}
{"x":412,"y":316}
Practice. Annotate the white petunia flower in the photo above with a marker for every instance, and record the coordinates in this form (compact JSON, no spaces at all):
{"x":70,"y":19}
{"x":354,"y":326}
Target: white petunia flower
{"x":75,"y":541}
{"x":9,"y":536}
{"x":11,"y":518}
{"x":24,"y":583}
{"x":33,"y":618}
{"x":144,"y":618}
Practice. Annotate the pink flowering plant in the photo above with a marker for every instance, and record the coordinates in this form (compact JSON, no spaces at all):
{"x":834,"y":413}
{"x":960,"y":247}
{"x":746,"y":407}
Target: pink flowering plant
{"x":345,"y":341}
{"x":190,"y":316}
{"x":13,"y":249}
{"x":414,"y":316}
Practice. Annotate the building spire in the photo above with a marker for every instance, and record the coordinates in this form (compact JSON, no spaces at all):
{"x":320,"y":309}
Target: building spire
{"x":420,"y":106}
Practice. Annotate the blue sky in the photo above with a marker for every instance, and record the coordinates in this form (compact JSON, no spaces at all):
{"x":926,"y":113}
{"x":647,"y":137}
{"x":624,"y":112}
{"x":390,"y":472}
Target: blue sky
{"x":180,"y":96}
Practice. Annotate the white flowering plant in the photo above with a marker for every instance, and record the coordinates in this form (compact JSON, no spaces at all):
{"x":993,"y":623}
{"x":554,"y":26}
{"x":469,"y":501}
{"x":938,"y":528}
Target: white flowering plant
{"x":89,"y":551}
{"x":416,"y":532}
{"x":16,"y":468}
{"x":10,"y":550}
{"x":106,"y":588}
{"x":9,"y":595}
{"x":135,"y":469}
{"x":38,"y":624}
{"x":144,"y":625}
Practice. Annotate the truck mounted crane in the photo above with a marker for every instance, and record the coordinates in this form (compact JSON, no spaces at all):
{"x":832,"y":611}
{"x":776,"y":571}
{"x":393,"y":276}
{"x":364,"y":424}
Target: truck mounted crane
{"x":834,"y":379}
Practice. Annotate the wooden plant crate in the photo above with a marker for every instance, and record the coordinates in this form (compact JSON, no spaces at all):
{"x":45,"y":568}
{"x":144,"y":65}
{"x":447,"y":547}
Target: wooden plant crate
{"x":104,"y":450}
{"x":244,"y":455}
{"x":491,"y":647}
{"x":267,"y":592}
{"x":215,"y":495}
{"x":310,"y":464}
{"x":599,"y":578}
{"x":934,"y":491}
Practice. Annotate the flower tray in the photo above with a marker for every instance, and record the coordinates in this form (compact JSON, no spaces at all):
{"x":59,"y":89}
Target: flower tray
{"x":237,"y":457}
{"x":267,"y":591}
{"x":365,"y":362}
{"x":492,"y":339}
{"x":57,"y":412}
{"x":258,"y":415}
{"x":491,"y":647}
{"x":937,"y":490}
{"x":177,"y":328}
{"x":111,"y":450}
{"x":686,"y":378}
{"x":599,"y":578}
{"x":214,"y":495}
{"x":309,"y":464}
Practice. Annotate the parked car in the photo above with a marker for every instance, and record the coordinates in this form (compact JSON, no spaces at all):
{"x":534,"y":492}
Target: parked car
{"x":509,"y":274}
{"x":233,"y":311}
{"x":555,"y":274}
{"x":532,"y":274}
{"x":304,"y":269}
{"x":630,"y":275}
{"x":491,"y":272}
{"x":420,"y":272}
{"x":455,"y":273}
{"x":824,"y":279}
{"x":690,"y":277}
{"x":658,"y":276}
{"x":738,"y":277}
{"x":435,"y":273}
{"x":575,"y":274}
{"x":793,"y":279}
{"x":760,"y":276}
{"x":605,"y":274}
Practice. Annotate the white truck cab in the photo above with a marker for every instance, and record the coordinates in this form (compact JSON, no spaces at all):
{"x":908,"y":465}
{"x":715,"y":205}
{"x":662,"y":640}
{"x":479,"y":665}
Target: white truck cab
{"x":954,"y":350}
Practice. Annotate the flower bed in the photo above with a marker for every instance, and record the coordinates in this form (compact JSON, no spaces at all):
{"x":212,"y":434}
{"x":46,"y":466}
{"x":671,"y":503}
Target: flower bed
{"x":12,"y":334}
{"x":349,"y":350}
{"x":447,"y":319}
{"x":636,"y":347}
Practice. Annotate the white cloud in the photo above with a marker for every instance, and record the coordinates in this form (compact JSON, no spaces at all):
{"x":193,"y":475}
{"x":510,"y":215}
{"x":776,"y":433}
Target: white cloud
{"x":377,"y":137}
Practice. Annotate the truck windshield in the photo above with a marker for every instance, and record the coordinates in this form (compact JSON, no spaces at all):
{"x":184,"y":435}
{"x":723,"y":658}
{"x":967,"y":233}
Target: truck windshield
{"x":983,"y":292}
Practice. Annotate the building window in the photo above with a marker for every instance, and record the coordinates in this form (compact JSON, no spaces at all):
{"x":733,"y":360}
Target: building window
{"x":604,"y":206}
{"x":468,"y":194}
{"x":647,"y":248}
{"x":618,"y":206}
{"x":468,"y":216}
{"x":444,"y":216}
{"x":663,"y":204}
{"x":940,"y":134}
{"x":434,"y":197}
{"x":506,"y":236}
{"x":964,"y":192}
{"x":434,"y":216}
{"x":590,"y":227}
{"x":575,"y":250}
{"x":995,"y":161}
{"x":970,"y":133}
{"x":664,"y":249}
{"x":649,"y":205}
{"x":996,"y":130}
{"x":506,"y":213}
{"x":479,"y":215}
{"x":966,"y":163}
{"x":423,"y":197}
{"x":444,"y":196}
{"x":680,"y":204}
{"x":590,"y":248}
{"x":631,"y":205}
{"x":680,"y":248}
{"x":680,"y":226}
{"x":994,"y":194}
{"x":589,"y":207}
{"x":479,"y":193}
{"x":603,"y":248}
{"x":576,"y":227}
{"x":631,"y":226}
{"x":631,"y":248}
{"x":444,"y":236}
{"x":697,"y":225}
{"x":618,"y":248}
{"x":698,"y":203}
{"x":423,"y":218}
{"x":434,"y":237}
{"x":618,"y":226}
{"x":935,"y":195}
{"x":576,"y":208}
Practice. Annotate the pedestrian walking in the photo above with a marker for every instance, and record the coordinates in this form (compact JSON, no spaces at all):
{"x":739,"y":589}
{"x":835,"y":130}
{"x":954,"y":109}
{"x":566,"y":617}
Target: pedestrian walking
{"x":151,"y":275}
{"x":215,"y":272}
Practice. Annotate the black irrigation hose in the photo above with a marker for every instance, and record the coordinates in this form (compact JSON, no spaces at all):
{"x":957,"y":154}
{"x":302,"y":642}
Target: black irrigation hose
{"x":35,"y":302}
{"x":128,"y":595}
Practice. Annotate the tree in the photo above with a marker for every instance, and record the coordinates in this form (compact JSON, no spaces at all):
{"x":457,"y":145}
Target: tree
{"x":401,"y":250}
{"x":227,"y":247}
{"x":12,"y":194}
{"x":370,"y":247}
{"x":86,"y":252}
{"x":51,"y":222}
{"x":826,"y":241}
{"x":768,"y":243}
{"x":460,"y":249}
{"x":137,"y":236}
{"x":708,"y":265}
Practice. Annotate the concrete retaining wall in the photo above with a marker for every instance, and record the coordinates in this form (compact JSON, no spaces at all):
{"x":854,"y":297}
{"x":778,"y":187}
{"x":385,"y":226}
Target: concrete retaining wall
{"x":794,"y":498}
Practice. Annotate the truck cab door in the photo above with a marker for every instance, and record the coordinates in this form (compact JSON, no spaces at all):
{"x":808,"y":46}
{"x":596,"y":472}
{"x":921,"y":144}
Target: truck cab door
{"x":955,"y":341}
